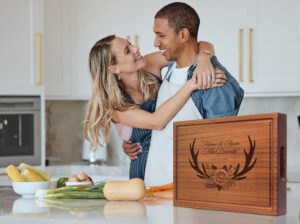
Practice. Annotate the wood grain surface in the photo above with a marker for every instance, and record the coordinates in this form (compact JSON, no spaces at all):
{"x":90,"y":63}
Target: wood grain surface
{"x":232,"y":164}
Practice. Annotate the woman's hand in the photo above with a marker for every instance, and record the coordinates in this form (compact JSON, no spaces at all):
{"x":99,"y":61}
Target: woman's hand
{"x":221,"y":78}
{"x":204,"y":72}
{"x":192,"y":84}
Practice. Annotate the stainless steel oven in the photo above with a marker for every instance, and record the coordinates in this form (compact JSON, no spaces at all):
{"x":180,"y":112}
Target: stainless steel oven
{"x":20,"y":130}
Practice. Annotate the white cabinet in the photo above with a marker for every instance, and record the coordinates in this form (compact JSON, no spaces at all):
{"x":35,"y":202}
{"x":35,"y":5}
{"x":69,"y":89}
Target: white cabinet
{"x":144,"y":12}
{"x":21,"y":48}
{"x":58,"y":50}
{"x":273,"y":44}
{"x":72,"y":27}
{"x":276,"y":48}
{"x":219,"y":24}
{"x":21,"y":52}
{"x":95,"y":20}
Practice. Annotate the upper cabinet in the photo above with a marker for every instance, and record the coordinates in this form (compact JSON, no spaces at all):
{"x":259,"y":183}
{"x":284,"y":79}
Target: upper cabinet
{"x":275,"y":47}
{"x":144,"y":12}
{"x":256,"y":41}
{"x":72,"y":27}
{"x":220,"y":22}
{"x":21,"y":65}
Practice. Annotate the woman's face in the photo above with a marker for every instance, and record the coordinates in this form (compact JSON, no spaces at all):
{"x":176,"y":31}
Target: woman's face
{"x":128,"y":57}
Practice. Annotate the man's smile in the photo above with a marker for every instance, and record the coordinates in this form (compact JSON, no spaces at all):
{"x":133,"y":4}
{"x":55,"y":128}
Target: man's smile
{"x":163,"y":52}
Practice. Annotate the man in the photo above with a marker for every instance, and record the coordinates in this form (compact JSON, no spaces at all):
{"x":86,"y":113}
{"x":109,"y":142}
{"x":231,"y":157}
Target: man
{"x":176,"y":28}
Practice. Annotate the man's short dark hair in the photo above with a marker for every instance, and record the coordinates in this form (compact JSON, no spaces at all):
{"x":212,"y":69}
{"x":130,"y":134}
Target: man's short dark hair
{"x":180,"y":15}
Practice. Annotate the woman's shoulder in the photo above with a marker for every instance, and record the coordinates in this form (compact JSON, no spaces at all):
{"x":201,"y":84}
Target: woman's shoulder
{"x":157,"y":76}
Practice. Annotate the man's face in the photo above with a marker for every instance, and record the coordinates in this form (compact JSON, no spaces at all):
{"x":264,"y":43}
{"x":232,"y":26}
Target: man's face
{"x":166,"y":39}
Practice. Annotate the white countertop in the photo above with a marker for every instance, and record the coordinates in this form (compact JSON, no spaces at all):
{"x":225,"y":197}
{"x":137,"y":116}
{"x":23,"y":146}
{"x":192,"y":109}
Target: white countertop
{"x":14,"y":209}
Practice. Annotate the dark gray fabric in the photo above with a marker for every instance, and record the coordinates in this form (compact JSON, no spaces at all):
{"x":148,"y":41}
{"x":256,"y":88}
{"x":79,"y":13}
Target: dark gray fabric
{"x":143,"y":136}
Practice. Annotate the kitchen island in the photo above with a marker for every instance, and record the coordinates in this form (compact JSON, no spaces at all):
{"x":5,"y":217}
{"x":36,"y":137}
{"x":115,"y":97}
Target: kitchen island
{"x":15,"y":209}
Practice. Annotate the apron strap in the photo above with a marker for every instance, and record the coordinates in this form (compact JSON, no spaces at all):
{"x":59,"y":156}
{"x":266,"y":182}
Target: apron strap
{"x":172,"y":65}
{"x":170,"y":70}
{"x":193,"y":65}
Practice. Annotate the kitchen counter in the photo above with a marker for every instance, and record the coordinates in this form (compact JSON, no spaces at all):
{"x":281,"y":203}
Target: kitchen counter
{"x":14,"y":209}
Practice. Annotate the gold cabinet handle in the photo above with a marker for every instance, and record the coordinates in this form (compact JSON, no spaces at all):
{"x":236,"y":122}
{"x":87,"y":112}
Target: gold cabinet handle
{"x":250,"y":30}
{"x":240,"y":55}
{"x":135,"y":38}
{"x":39,"y":38}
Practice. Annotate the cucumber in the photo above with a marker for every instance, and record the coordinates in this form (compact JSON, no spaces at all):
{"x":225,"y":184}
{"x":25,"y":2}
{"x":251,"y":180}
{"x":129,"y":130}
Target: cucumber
{"x":62,"y":182}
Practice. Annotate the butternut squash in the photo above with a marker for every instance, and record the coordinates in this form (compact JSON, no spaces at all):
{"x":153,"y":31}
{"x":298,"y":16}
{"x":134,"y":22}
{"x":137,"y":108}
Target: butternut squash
{"x":133,"y":189}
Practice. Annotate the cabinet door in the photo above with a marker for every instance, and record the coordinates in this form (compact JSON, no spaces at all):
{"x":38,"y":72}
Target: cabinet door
{"x":144,"y":12}
{"x":19,"y":59}
{"x":73,"y":27}
{"x":220,"y":22}
{"x":275,"y":47}
{"x":212,"y":28}
{"x":96,"y":19}
{"x":58,"y":51}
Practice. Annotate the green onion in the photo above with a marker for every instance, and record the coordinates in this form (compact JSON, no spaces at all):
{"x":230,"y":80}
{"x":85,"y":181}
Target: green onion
{"x":89,"y":191}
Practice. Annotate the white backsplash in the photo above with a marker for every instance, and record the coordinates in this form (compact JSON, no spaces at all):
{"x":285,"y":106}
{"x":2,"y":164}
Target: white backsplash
{"x":286,"y":105}
{"x":62,"y":115}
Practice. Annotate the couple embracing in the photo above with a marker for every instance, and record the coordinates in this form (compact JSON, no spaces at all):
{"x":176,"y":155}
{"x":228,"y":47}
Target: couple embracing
{"x":130,"y":91}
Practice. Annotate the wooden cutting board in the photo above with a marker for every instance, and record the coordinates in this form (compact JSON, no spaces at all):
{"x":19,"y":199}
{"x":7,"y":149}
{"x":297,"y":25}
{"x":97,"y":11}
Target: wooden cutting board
{"x":232,"y":164}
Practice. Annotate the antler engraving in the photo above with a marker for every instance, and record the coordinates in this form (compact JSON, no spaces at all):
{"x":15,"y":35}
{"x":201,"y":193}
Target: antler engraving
{"x":202,"y":174}
{"x":222,"y":178}
{"x":238,"y":175}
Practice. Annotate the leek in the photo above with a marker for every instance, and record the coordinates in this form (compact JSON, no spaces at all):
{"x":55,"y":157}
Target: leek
{"x":89,"y":191}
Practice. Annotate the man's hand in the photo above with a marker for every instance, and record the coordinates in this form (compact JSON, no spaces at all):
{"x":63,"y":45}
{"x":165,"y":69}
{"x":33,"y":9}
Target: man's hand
{"x":221,"y":78}
{"x":132,"y":149}
{"x":204,"y":72}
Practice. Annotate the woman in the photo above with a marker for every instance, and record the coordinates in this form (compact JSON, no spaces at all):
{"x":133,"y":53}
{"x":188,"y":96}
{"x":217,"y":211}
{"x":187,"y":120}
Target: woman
{"x":125,"y":87}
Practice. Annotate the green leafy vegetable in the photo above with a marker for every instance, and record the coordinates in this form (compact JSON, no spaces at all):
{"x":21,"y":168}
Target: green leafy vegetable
{"x":88,"y":191}
{"x":62,"y":182}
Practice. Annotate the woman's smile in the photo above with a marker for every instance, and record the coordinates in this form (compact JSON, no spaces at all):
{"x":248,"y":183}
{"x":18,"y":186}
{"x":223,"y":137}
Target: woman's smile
{"x":140,"y":57}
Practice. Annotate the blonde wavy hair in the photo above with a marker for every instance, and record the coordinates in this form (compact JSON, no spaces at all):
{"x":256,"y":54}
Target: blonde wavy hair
{"x":107,"y":92}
